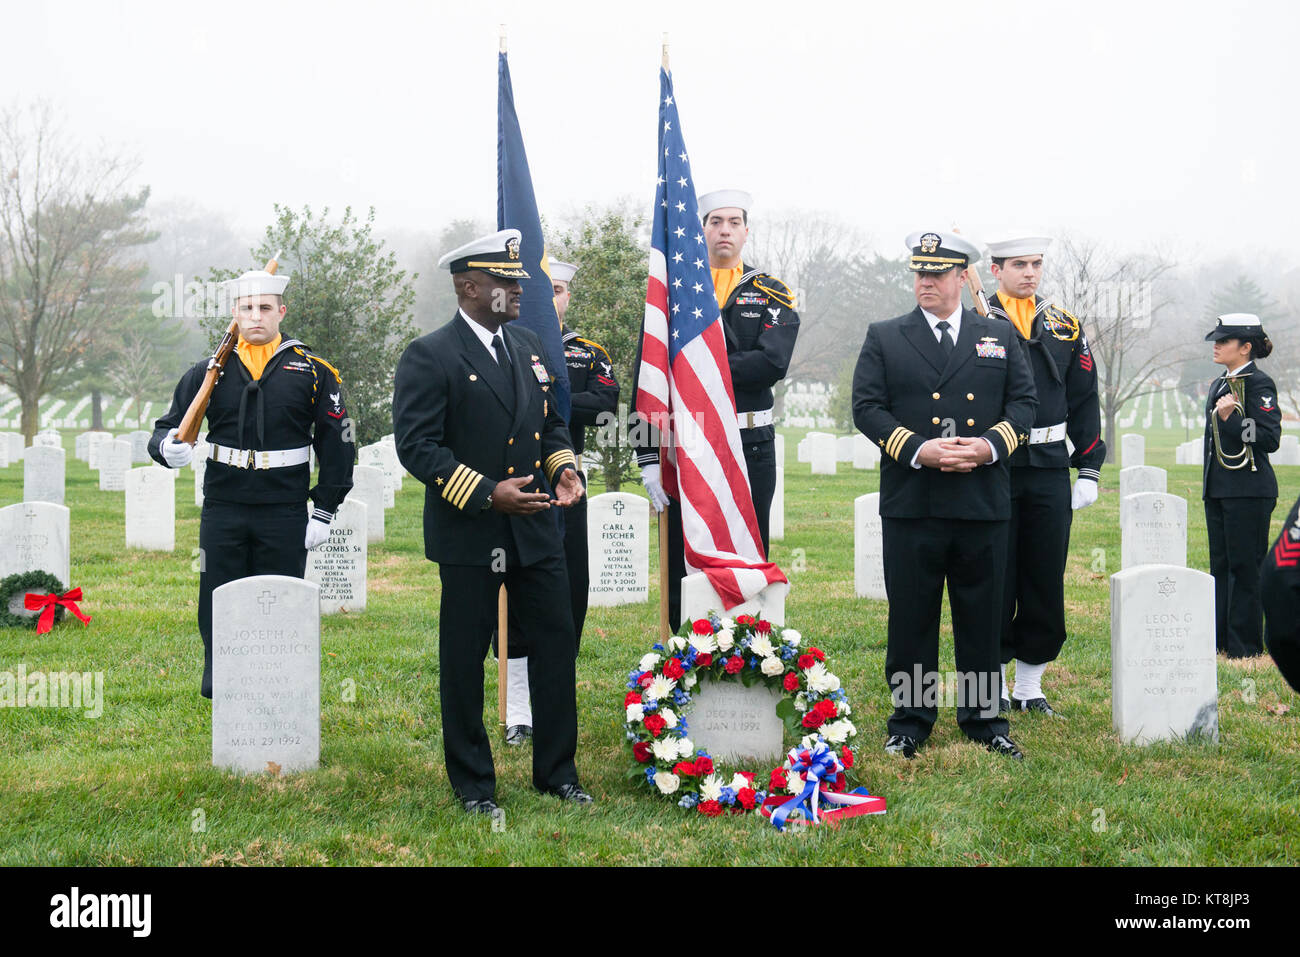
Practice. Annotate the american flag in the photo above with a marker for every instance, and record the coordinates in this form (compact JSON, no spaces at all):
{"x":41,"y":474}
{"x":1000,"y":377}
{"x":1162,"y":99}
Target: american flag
{"x":685,"y":380}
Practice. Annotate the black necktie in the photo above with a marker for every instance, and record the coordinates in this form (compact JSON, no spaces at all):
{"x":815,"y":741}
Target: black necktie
{"x":503,"y":360}
{"x":945,"y":339}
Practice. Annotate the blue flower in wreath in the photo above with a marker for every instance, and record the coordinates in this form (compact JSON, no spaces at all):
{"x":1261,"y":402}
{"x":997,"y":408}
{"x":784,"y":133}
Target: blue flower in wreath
{"x":689,"y":801}
{"x":728,"y":796}
{"x":650,"y":775}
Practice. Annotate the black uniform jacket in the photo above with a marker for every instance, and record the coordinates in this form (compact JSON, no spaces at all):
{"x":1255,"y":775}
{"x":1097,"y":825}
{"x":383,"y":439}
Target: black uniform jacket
{"x":760,"y":325}
{"x":1262,"y":418}
{"x":297,"y":401}
{"x":460,"y":427}
{"x":905,"y":393}
{"x":592,"y":387}
{"x":1065,"y":378}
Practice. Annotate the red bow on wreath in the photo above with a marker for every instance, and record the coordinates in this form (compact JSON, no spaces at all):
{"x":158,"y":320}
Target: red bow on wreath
{"x":50,"y":602}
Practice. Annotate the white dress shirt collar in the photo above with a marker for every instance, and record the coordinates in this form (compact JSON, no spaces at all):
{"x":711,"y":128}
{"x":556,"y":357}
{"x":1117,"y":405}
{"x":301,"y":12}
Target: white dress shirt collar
{"x":954,"y":321}
{"x":484,"y":336}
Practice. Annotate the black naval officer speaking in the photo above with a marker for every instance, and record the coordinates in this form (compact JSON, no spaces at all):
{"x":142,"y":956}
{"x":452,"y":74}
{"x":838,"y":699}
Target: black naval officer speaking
{"x":275,"y":401}
{"x":948,"y":397}
{"x":474,"y":421}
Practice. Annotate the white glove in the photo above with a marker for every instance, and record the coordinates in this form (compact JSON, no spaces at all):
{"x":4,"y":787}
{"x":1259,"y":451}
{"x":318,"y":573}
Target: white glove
{"x":177,"y":454}
{"x":318,"y":529}
{"x":1085,"y":493}
{"x":650,"y":478}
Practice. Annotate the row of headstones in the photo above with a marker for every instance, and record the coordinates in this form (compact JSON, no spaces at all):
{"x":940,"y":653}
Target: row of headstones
{"x":823,"y":450}
{"x":1192,"y":452}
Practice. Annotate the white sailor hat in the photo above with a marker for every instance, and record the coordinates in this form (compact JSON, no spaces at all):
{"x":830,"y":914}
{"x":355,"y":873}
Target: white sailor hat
{"x":1236,"y":325}
{"x":1023,"y":242}
{"x":562,"y":271}
{"x":255,"y":282}
{"x":725,"y":199}
{"x":497,"y":254}
{"x":936,"y":251}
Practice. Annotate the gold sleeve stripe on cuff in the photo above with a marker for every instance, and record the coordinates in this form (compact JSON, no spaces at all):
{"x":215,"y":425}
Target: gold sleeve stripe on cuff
{"x":557,"y":459}
{"x":897,"y":439}
{"x":462,"y":483}
{"x":1008,"y":433}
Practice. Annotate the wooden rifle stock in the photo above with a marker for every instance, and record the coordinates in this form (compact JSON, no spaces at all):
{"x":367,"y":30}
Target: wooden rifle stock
{"x":976,"y":286}
{"x":188,"y":432}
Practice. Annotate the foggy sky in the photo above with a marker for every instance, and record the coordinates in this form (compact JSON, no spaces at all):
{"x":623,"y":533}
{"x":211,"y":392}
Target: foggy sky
{"x":1162,"y":123}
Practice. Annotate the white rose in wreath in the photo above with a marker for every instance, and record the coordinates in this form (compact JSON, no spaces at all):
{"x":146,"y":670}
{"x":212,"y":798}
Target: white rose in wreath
{"x":676,"y":643}
{"x":635,"y":713}
{"x":666,"y":782}
{"x":791,"y":637}
{"x":669,"y":716}
{"x":649,"y":661}
{"x":725,"y":639}
{"x":689,"y":681}
{"x":685,"y":747}
{"x":738,"y":782}
{"x":772,"y":667}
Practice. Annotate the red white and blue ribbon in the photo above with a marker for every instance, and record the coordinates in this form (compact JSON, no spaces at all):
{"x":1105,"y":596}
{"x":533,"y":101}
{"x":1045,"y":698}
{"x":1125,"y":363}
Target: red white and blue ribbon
{"x":818,"y":766}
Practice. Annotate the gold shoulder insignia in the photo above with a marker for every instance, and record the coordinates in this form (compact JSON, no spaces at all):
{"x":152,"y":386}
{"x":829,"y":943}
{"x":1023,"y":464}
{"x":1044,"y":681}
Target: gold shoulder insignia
{"x":327,"y":366}
{"x":1060,"y":323}
{"x":776,"y":289}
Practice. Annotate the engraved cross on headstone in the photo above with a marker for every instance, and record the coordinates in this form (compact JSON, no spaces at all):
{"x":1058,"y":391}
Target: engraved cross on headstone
{"x":266,"y":600}
{"x":618,"y":508}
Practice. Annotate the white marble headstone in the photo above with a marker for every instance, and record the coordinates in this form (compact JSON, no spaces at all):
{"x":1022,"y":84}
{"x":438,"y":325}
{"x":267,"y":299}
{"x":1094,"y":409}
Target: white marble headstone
{"x":374,"y":456}
{"x":1153,"y":529}
{"x":139,"y":440}
{"x":48,"y":440}
{"x":735,"y":723}
{"x":151,"y":508}
{"x":1164,"y":679}
{"x":34,"y":537}
{"x":699,"y":598}
{"x":1288,"y":451}
{"x":1133,"y":450}
{"x":821,"y":446}
{"x":339,"y":565}
{"x":844,"y":448}
{"x":368,"y":487}
{"x":1142,"y":478}
{"x":803,"y":451}
{"x":200,"y":467}
{"x":866,"y":455}
{"x":776,"y":515}
{"x":16,"y":445}
{"x":114,"y":463}
{"x":266,"y":675}
{"x":618,"y":549}
{"x":43,"y":474}
{"x":4,"y":455}
{"x":868,"y":548}
{"x":96,"y":446}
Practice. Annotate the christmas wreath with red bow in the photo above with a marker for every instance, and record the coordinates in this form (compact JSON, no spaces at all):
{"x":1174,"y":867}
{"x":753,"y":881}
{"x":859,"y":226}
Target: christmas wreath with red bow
{"x":41,"y":596}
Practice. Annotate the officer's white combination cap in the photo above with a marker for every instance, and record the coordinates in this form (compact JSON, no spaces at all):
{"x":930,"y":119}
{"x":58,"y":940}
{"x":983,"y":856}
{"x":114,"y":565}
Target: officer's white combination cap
{"x":1236,"y":325}
{"x":725,"y":199}
{"x":1019,"y":243}
{"x":496,"y":253}
{"x":934,"y":250}
{"x":562,"y":271}
{"x":256,"y":282}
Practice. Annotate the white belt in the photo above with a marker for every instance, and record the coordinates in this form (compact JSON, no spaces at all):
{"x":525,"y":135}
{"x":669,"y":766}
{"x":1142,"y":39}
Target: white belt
{"x":754,"y":420}
{"x":255,"y":459}
{"x":1052,"y":433}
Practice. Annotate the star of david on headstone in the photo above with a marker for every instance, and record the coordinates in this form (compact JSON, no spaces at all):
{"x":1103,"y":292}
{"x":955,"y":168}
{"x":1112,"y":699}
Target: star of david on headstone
{"x":1167,"y":586}
{"x":266,"y":600}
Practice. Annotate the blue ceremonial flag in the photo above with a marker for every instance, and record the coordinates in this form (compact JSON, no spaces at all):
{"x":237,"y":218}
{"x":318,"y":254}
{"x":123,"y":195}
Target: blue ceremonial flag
{"x":517,"y":209}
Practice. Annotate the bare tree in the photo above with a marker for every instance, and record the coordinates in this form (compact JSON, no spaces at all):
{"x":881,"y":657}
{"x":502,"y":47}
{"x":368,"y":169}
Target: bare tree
{"x":1120,"y":300}
{"x":67,"y":220}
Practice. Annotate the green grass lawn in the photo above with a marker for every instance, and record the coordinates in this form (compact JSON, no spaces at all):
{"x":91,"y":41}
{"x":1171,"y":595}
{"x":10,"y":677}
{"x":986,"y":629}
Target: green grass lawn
{"x":135,"y":786}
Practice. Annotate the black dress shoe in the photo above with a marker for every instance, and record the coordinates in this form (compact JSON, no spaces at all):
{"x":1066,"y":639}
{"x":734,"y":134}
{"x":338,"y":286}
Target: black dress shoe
{"x":517,"y":734}
{"x":901,"y":744}
{"x":1004,"y":706}
{"x":483,"y":806}
{"x":1001,"y":744}
{"x":572,"y":793}
{"x":1036,"y":704}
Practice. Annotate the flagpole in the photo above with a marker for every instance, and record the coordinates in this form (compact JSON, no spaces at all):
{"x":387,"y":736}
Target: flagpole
{"x":503,"y":603}
{"x":664,"y":629}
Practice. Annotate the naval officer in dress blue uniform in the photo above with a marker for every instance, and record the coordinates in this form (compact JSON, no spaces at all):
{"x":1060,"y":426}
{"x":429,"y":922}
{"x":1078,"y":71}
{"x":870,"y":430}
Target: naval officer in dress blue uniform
{"x":475,"y":421}
{"x":948,"y":397}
